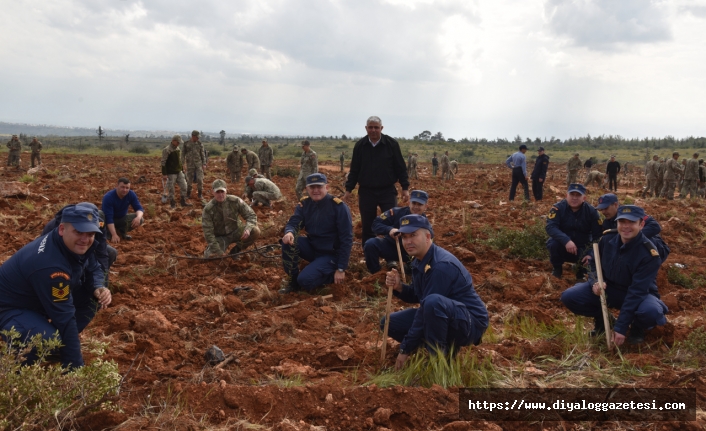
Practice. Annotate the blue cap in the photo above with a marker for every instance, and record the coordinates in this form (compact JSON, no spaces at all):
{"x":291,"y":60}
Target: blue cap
{"x":412,"y":222}
{"x":575,"y":187}
{"x":82,"y":218}
{"x":316,"y":180}
{"x":606,"y":200}
{"x":630,"y":212}
{"x":523,"y":147}
{"x":419,"y":196}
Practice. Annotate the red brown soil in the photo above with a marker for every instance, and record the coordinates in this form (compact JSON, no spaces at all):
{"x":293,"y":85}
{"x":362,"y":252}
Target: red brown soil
{"x":168,"y":310}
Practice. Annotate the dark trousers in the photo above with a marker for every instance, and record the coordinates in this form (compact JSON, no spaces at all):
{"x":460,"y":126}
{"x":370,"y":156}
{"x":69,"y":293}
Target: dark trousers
{"x":123,"y":225}
{"x":518,"y":177}
{"x":446,"y":323}
{"x":376,"y":248}
{"x":558,"y":254}
{"x":613,"y":182}
{"x":537,"y":189}
{"x":368,"y":202}
{"x":318,"y":272}
{"x":580,"y":300}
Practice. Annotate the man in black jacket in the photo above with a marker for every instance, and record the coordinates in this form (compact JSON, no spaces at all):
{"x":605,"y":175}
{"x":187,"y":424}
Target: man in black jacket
{"x":376,"y":165}
{"x":612,"y":169}
{"x":539,"y":174}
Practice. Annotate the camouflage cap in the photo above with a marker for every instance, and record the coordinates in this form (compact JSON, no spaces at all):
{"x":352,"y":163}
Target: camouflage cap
{"x":252,"y":172}
{"x":576,"y":154}
{"x":219,"y":185}
{"x":195,"y":133}
{"x":264,"y":139}
{"x":178,"y":139}
{"x":247,"y":179}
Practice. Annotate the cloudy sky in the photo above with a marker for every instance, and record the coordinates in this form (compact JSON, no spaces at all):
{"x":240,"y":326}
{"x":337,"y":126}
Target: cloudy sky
{"x":467,"y":68}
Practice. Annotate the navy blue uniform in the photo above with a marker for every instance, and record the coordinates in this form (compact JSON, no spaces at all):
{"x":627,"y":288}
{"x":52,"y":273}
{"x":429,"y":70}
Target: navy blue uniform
{"x":450,"y":310}
{"x":539,"y":172}
{"x":105,"y":254}
{"x":630,"y":273}
{"x":43,"y":281}
{"x":564,"y":225}
{"x":651,"y":230}
{"x":327,"y":244}
{"x":385,"y":247}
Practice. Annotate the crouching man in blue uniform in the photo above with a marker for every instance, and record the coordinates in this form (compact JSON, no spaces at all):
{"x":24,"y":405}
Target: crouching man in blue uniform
{"x":328,"y":241}
{"x":44,"y":281}
{"x":387,"y":224}
{"x":630,"y":263}
{"x":572,"y":225}
{"x":450,"y":313}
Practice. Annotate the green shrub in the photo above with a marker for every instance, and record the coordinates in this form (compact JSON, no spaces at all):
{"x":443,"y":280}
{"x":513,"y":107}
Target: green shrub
{"x":675,"y":276}
{"x":285,"y":171}
{"x":107,"y":147}
{"x":696,"y":341}
{"x":28,"y":179}
{"x":49,"y":396}
{"x":139,"y":149}
{"x":527,"y":243}
{"x":213,"y":151}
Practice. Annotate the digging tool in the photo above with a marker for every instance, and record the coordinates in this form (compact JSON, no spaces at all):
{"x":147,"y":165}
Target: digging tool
{"x":389,"y":304}
{"x":164,"y":191}
{"x":604,"y":304}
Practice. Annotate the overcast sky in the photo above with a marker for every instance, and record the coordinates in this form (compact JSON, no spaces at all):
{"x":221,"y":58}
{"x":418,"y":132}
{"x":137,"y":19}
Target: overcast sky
{"x":487,"y":68}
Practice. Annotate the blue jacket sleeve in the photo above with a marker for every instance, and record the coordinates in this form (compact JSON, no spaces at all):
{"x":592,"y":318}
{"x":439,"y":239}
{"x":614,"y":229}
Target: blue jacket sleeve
{"x":553,"y":227}
{"x":596,"y":225}
{"x":135,"y":203}
{"x":383,"y":224}
{"x":642,"y":280}
{"x":345,"y":234}
{"x":296,"y":221}
{"x":407,"y":295}
{"x":652,"y":227}
{"x":107,"y":208}
{"x":508,"y":162}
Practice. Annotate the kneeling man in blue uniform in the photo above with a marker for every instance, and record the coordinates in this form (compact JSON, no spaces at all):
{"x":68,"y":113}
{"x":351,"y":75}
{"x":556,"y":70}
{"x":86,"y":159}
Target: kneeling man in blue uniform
{"x":450,"y":313}
{"x":44,"y":281}
{"x":387,"y":224}
{"x":328,"y":241}
{"x":630,"y":263}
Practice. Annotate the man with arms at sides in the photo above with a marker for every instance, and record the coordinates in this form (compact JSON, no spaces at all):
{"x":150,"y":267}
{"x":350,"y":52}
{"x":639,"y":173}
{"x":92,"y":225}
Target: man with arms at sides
{"x":450,"y":314}
{"x":115,"y":207}
{"x":539,"y":174}
{"x":376,"y":165}
{"x":328,"y":241}
{"x":42,"y":287}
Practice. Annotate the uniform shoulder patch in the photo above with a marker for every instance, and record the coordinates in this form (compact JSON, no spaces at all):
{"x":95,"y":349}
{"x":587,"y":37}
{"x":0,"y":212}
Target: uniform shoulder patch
{"x":654,"y":252}
{"x":607,"y":231}
{"x":338,"y":201}
{"x":552,"y":212}
{"x":61,"y":274}
{"x":649,"y":246}
{"x":600,"y":222}
{"x":427,"y":268}
{"x":304,"y":198}
{"x":60,"y":291}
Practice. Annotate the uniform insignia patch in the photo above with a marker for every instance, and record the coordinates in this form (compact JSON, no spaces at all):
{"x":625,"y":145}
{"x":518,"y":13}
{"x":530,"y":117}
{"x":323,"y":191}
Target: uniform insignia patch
{"x":89,"y":217}
{"x":338,"y":201}
{"x":304,"y":198}
{"x":654,"y":253}
{"x":551,"y":215}
{"x":64,"y":275}
{"x":427,"y":268}
{"x":383,"y":216}
{"x":60,"y":292}
{"x":404,"y":222}
{"x":600,"y":222}
{"x":101,"y":224}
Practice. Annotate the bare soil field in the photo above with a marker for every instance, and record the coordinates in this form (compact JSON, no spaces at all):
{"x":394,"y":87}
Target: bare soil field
{"x":302,"y":362}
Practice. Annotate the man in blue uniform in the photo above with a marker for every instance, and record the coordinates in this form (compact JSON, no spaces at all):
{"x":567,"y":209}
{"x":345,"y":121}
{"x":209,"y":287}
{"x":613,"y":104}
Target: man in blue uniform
{"x":105,"y":254}
{"x":572,"y":225}
{"x":48,"y":279}
{"x":450,"y":313}
{"x":518,"y":163}
{"x":539,"y":174}
{"x":328,"y":241}
{"x":608,"y":206}
{"x":115,"y":206}
{"x":630,"y":263}
{"x":387,"y":225}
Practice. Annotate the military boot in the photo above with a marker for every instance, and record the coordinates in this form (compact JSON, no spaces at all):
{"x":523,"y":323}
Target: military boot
{"x":172,"y":203}
{"x":183,"y":202}
{"x":293,"y":286}
{"x":200,"y":195}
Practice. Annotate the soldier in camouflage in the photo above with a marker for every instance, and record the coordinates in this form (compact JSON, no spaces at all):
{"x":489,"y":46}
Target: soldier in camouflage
{"x":193,"y":159}
{"x":661,"y":169}
{"x":595,"y":177}
{"x":342,"y":159}
{"x":36,"y":148}
{"x":573,"y":167}
{"x":222,"y":226}
{"x":251,"y":158}
{"x":702,"y":179}
{"x":413,"y":167}
{"x":445,"y":171}
{"x":309,"y":165}
{"x":453,"y":168}
{"x":15,"y":146}
{"x":173,"y":170}
{"x":651,"y":175}
{"x":673,"y":170}
{"x":234,"y":164}
{"x":266,"y":157}
{"x":691,"y":178}
{"x":262,"y":190}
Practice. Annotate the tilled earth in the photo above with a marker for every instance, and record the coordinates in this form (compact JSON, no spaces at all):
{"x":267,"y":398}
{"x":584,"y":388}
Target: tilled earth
{"x":300,"y":362}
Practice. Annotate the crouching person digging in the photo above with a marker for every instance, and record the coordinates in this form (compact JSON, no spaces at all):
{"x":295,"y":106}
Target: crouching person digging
{"x":450,"y":314}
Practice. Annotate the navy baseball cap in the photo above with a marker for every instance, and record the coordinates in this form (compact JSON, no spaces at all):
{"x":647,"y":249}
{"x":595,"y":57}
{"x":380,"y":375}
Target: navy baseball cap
{"x":540,"y":149}
{"x":575,"y":187}
{"x":316,"y":180}
{"x":419,"y":196}
{"x":523,"y":147}
{"x":606,"y":200}
{"x":412,"y":222}
{"x":82,"y":218}
{"x":630,"y":212}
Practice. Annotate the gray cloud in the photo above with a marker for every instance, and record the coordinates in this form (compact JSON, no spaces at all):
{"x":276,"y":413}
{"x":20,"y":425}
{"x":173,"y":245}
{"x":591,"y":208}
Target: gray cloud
{"x":607,"y":25}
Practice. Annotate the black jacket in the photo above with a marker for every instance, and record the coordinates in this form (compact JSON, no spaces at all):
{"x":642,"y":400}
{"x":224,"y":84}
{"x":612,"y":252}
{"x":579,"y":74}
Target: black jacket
{"x":612,"y":168}
{"x":377,"y":167}
{"x":540,"y":167}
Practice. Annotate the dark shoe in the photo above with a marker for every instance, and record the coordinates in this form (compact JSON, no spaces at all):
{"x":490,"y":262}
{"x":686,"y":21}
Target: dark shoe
{"x":636,"y":336}
{"x":293,"y":286}
{"x":200,"y":195}
{"x":172,"y":203}
{"x":127,"y":237}
{"x":183,"y":202}
{"x":557,"y":272}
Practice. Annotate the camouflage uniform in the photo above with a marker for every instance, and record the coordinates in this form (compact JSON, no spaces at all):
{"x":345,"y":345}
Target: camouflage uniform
{"x":173,"y":169}
{"x":15,"y":146}
{"x":264,"y":191}
{"x":691,"y":178}
{"x":342,"y":159}
{"x":661,"y":168}
{"x":234,"y":163}
{"x":595,"y":177}
{"x":413,"y":168}
{"x":36,"y":147}
{"x":573,"y":167}
{"x":251,"y":158}
{"x":309,"y":165}
{"x":445,"y":171}
{"x":651,"y":175}
{"x":453,"y":167}
{"x":266,"y":157}
{"x":702,"y":179}
{"x":222,"y":225}
{"x":672,"y":172}
{"x":194,"y":159}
